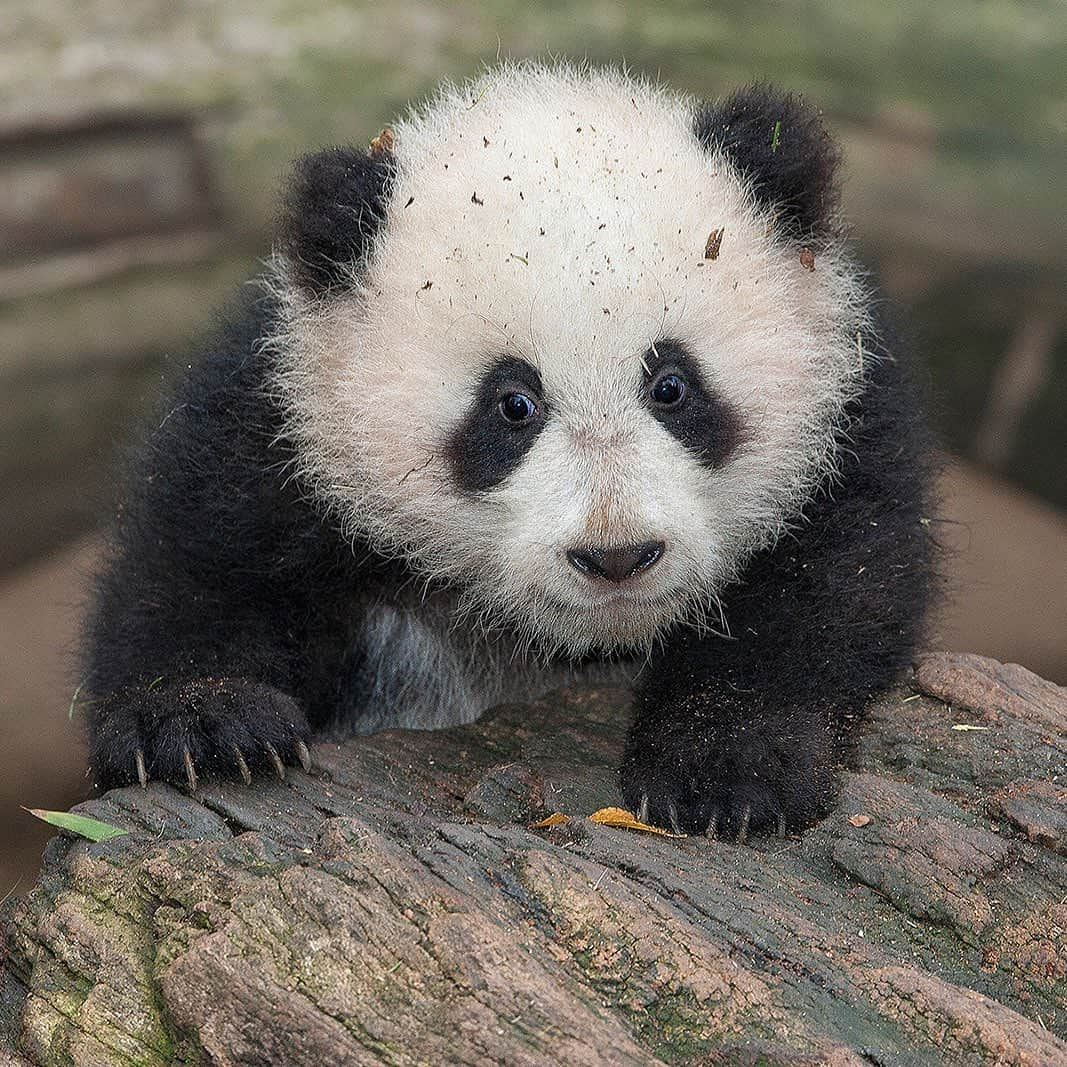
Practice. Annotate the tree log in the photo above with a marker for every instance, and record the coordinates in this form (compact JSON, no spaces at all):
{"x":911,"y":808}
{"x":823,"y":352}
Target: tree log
{"x":396,"y":906}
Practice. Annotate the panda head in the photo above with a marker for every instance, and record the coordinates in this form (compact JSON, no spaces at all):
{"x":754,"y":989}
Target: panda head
{"x":556,"y":339}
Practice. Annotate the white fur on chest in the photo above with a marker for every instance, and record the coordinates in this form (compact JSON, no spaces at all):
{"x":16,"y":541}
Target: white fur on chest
{"x":420,"y":670}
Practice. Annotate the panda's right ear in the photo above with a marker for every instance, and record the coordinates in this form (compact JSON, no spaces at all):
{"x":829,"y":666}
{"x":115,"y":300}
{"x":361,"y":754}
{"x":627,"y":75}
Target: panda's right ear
{"x":333,"y":206}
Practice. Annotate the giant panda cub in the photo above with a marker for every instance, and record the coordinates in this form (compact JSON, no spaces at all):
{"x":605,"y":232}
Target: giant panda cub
{"x":567,"y":376}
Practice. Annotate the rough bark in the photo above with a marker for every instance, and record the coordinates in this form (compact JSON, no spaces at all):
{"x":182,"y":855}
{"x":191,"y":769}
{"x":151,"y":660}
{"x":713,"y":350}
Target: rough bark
{"x":394,"y":906}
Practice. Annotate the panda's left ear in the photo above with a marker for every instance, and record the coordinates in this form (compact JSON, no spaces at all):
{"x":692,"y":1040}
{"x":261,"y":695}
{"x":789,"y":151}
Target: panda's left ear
{"x":333,"y":206}
{"x":780,"y":146}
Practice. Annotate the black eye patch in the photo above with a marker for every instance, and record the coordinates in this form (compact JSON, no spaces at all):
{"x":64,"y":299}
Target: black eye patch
{"x":507,"y":414}
{"x":680,"y":399}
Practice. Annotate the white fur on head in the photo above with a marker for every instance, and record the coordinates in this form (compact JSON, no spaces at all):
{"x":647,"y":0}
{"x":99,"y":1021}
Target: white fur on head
{"x":560,"y":214}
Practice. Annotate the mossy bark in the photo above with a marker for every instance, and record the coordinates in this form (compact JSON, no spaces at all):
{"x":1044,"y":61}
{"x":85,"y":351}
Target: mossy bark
{"x":394,"y":906}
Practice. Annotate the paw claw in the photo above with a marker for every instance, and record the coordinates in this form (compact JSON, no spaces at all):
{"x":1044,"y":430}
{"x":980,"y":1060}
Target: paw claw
{"x":276,"y":760}
{"x":672,"y":817}
{"x":142,"y":774}
{"x":303,"y":755}
{"x":190,"y":770}
{"x":742,"y":830}
{"x":642,"y":809}
{"x":242,"y":765}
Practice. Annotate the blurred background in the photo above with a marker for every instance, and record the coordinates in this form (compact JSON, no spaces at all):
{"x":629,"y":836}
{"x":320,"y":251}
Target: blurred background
{"x":141,"y":147}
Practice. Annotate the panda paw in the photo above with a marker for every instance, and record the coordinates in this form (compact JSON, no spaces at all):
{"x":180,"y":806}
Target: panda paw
{"x":726,"y":795}
{"x":178,"y":731}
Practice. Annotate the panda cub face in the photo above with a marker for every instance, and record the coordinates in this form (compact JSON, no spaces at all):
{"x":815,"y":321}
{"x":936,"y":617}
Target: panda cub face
{"x":531,"y":375}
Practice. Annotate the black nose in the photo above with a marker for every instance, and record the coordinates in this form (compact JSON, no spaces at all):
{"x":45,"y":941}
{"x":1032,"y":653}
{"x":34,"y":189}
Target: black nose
{"x":616,"y":564}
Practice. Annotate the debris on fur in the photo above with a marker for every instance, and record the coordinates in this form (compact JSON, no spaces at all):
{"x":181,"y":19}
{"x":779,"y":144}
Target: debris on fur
{"x":382,"y":145}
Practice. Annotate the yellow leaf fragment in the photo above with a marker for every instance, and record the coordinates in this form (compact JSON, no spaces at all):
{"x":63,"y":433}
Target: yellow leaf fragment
{"x":625,"y":820}
{"x":557,"y":818}
{"x":859,"y":820}
{"x":962,"y":726}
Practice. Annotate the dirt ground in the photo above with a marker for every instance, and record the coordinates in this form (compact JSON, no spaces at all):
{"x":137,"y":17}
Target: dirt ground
{"x":1007,"y":573}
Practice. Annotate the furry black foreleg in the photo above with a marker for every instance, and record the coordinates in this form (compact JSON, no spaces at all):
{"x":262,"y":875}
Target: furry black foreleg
{"x":178,"y":730}
{"x":722,"y":761}
{"x":743,"y":734}
{"x":218,"y":615}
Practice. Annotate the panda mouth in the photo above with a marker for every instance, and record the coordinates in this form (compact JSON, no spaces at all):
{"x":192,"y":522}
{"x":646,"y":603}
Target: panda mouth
{"x":616,"y":602}
{"x":614,"y":621}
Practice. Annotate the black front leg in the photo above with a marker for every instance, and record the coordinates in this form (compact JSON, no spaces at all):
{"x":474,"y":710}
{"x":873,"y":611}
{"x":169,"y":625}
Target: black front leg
{"x":177,"y":730}
{"x":743,"y":735}
{"x":709,"y":756}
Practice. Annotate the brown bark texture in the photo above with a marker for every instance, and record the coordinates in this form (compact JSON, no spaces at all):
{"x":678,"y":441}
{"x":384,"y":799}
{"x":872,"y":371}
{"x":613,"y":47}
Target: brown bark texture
{"x":395,"y":905}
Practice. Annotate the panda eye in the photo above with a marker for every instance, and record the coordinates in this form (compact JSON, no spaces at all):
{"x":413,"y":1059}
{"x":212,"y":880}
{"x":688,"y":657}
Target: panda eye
{"x":668,"y":391}
{"x":517,"y":408}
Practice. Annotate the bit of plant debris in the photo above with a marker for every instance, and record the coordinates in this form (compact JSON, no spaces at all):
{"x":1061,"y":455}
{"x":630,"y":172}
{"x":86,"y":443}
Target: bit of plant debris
{"x":382,"y":145}
{"x":713,"y":244}
{"x":617,"y":817}
{"x":807,"y":259}
{"x":775,"y":136}
{"x":74,"y":702}
{"x":475,"y":199}
{"x":92,"y":829}
{"x":859,"y":820}
{"x":411,"y":200}
{"x":964,"y":727}
{"x":626,"y":820}
{"x":524,"y":260}
{"x":428,"y":285}
{"x":557,"y":818}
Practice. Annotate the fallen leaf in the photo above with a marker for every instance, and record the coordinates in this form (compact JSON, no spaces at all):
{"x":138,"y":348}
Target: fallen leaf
{"x":964,"y":726}
{"x":713,"y":244}
{"x":557,"y":818}
{"x":859,"y":820}
{"x":93,"y":829}
{"x":625,"y":820}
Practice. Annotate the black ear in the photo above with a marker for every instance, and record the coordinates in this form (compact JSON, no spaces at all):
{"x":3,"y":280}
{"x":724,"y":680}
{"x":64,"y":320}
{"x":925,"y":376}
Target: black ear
{"x":333,"y":207}
{"x":783,"y":149}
